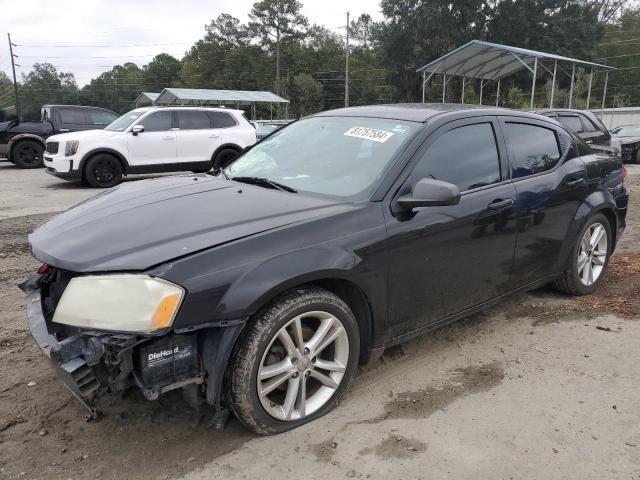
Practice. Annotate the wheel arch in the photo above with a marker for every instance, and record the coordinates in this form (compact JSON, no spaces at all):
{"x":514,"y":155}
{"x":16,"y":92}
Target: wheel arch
{"x":16,"y":139}
{"x":92,"y":153}
{"x":233,"y":146}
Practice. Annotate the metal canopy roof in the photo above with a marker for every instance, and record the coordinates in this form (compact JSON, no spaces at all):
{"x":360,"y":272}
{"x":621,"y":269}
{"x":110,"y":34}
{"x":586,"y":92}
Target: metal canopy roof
{"x":194,"y":96}
{"x":149,"y":95}
{"x":492,"y":61}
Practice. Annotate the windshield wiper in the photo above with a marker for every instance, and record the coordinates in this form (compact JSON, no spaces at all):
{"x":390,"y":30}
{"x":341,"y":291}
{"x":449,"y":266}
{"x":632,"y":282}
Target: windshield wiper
{"x":265,"y":182}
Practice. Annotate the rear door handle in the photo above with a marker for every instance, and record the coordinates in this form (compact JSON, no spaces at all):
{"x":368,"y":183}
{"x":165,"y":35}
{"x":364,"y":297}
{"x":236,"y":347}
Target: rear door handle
{"x":500,"y":204}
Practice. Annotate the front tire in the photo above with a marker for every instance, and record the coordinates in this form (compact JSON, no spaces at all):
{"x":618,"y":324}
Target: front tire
{"x":103,"y":171}
{"x":224,"y":157}
{"x":27,"y":154}
{"x":295,"y":362}
{"x":589,"y":258}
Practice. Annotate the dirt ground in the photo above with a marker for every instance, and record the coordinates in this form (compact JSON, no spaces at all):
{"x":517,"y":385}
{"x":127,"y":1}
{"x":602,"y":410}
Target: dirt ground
{"x":543,"y":386}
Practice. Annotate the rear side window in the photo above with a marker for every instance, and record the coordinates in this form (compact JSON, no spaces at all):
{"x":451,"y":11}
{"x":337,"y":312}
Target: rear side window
{"x":532,"y":149}
{"x":221,"y":120}
{"x":193,"y":120}
{"x":72,"y":115}
{"x":588,"y":125}
{"x":157,"y":122}
{"x":465,"y":156}
{"x":572,"y":122}
{"x":99,"y":117}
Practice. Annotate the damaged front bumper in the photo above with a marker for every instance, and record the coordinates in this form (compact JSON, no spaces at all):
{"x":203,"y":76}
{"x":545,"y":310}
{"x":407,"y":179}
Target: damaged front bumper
{"x":91,"y":363}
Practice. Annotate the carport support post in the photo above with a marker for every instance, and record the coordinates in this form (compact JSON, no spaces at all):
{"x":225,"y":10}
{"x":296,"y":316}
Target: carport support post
{"x":444,"y":86}
{"x":463,"y":81}
{"x":498,"y":94}
{"x":424,"y":79}
{"x":553,"y":83}
{"x":589,"y":90}
{"x":573,"y":74}
{"x":604,"y":94}
{"x":481,"y":85}
{"x":533,"y":83}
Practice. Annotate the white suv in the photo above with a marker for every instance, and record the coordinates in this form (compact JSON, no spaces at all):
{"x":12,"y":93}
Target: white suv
{"x":150,"y":140}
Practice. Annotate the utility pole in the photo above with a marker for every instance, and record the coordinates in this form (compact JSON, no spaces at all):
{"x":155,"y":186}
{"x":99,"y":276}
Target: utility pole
{"x":346,"y":74}
{"x":15,"y":83}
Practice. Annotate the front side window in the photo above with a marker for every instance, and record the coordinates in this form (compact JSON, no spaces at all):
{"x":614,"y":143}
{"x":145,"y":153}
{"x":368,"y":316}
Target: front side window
{"x":193,"y":120}
{"x":157,"y":121}
{"x":532,"y":149}
{"x":465,"y":156}
{"x":572,"y":122}
{"x":73,"y":116}
{"x":335,"y":156}
{"x":588,"y":125}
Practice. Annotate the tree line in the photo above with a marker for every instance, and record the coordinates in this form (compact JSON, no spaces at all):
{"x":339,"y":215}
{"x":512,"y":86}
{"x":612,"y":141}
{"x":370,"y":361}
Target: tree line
{"x":279,"y":50}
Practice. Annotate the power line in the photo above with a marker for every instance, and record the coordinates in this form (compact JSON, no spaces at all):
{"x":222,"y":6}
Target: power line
{"x":104,"y":46}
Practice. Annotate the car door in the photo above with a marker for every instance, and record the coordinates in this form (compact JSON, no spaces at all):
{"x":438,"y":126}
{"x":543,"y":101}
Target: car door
{"x":156,"y":145}
{"x":71,"y":119}
{"x":444,"y":260}
{"x":550,"y":182}
{"x":196,"y":139}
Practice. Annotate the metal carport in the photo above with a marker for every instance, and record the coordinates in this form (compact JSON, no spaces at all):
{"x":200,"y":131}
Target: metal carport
{"x":146,"y":98}
{"x":195,"y":96}
{"x":492,"y":62}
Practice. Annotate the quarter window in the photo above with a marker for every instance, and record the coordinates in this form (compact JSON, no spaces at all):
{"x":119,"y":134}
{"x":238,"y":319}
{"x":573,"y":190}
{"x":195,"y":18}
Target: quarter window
{"x":465,"y":156}
{"x":157,"y":122}
{"x":532,"y":149}
{"x":193,"y":120}
{"x":221,"y":120}
{"x":572,"y":122}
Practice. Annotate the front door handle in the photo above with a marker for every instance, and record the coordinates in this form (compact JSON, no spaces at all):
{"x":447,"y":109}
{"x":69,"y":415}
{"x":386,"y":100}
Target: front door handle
{"x":168,"y":138}
{"x":500,"y":204}
{"x":576,"y":182}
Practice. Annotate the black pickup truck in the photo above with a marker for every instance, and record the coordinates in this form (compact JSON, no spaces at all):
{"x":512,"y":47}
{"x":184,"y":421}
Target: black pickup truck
{"x":23,"y":143}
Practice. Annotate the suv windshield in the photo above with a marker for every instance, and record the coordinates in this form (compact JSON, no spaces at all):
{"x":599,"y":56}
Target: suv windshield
{"x":121,"y":123}
{"x":337,"y":156}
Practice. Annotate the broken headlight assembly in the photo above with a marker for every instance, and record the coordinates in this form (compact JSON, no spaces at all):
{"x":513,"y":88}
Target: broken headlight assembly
{"x":132,"y":303}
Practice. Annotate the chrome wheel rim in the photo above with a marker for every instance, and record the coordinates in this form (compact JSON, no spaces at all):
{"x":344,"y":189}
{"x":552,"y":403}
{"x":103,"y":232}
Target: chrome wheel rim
{"x":303,"y":366}
{"x":593,"y":254}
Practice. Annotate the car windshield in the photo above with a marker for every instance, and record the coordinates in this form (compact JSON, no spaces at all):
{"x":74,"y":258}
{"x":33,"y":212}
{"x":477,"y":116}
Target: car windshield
{"x":337,"y":156}
{"x":120,"y":124}
{"x":632,"y":131}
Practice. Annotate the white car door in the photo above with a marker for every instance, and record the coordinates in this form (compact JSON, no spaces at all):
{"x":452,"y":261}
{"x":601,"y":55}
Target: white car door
{"x":157,"y":145}
{"x":196,"y":139}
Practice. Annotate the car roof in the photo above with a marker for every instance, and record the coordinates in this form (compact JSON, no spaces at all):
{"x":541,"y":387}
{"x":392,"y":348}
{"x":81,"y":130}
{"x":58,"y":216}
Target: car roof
{"x":562,"y":110}
{"x":48,"y":105}
{"x":190,"y":107}
{"x":418,"y":112}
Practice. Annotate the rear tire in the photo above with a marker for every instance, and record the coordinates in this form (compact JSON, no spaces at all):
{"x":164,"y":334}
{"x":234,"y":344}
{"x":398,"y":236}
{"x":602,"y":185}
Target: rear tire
{"x":312,"y":362}
{"x":27,"y":154}
{"x":103,"y":171}
{"x":589,"y":258}
{"x":224,"y":157}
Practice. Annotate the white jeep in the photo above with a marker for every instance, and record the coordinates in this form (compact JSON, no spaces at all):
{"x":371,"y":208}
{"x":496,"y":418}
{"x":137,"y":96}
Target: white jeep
{"x":150,"y":140}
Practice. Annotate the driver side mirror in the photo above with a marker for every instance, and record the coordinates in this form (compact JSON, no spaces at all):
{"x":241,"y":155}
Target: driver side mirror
{"x":429,"y":192}
{"x":137,"y":129}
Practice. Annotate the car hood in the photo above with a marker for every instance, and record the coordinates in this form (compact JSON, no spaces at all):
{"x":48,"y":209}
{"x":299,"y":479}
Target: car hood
{"x":625,"y":140}
{"x":144,"y":223}
{"x":83,"y":135}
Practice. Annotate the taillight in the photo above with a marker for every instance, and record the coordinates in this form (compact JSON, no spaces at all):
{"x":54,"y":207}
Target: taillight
{"x":42,"y":268}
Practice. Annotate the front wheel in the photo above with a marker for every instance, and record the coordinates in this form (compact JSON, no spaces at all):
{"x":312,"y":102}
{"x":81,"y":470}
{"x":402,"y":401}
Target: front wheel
{"x":224,"y":157}
{"x":103,"y":171}
{"x":589,"y":258}
{"x":295,"y":363}
{"x":27,"y":154}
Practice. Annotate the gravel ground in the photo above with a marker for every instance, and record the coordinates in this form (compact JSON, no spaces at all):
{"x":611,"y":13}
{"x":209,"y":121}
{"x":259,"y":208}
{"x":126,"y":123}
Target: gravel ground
{"x":543,"y":386}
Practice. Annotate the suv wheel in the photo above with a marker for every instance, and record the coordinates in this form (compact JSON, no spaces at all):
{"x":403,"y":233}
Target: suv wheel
{"x":295,"y":363}
{"x":589,"y":258}
{"x":103,"y":171}
{"x":27,"y":154}
{"x":224,"y":157}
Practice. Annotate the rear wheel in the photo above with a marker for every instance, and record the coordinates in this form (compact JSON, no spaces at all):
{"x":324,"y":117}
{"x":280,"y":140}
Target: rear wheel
{"x":295,"y":363}
{"x":589,"y":259}
{"x":224,"y":157}
{"x":103,"y":171}
{"x":27,"y":154}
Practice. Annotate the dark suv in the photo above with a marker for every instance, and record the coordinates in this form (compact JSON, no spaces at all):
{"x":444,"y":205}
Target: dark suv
{"x":585,"y":124}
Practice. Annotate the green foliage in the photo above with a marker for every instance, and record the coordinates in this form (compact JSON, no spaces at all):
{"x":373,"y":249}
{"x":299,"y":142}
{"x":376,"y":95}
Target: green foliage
{"x":306,"y":95}
{"x":44,"y":84}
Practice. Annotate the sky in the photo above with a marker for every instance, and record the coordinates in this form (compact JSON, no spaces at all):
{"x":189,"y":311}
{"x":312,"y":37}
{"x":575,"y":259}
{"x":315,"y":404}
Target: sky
{"x":88,"y":37}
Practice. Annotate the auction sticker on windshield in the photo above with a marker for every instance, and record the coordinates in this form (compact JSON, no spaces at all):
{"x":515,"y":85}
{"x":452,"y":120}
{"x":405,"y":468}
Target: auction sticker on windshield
{"x":380,"y":136}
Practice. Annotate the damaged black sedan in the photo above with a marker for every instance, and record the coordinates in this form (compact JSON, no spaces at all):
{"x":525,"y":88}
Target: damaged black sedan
{"x":264,"y":286}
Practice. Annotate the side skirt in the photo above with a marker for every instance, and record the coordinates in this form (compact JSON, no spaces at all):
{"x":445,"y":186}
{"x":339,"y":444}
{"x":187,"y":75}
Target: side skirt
{"x":169,"y":167}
